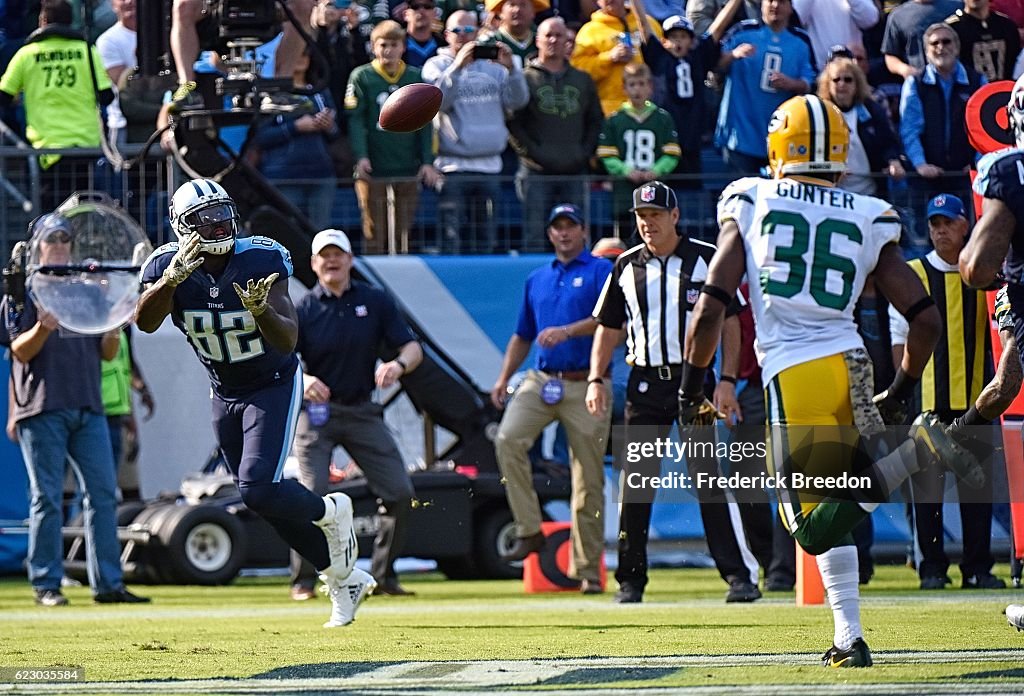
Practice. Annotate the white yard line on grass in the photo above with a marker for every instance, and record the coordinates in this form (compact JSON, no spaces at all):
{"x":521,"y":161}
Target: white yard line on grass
{"x":454,"y":606}
{"x":484,"y":677}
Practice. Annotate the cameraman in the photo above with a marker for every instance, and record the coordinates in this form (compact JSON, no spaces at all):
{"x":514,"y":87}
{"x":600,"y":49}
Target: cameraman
{"x":58,"y":417}
{"x":195,"y":24}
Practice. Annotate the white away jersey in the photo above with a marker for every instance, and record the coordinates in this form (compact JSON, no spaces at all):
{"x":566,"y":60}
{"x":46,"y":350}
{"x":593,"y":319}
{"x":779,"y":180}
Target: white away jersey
{"x":809,"y":249}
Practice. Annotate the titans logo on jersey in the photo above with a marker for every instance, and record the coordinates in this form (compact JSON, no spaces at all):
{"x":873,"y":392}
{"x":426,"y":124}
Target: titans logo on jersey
{"x":1001,"y":177}
{"x":223,"y":333}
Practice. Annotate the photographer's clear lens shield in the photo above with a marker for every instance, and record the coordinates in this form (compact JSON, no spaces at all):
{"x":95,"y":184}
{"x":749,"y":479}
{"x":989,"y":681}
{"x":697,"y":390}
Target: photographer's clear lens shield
{"x":84,"y":262}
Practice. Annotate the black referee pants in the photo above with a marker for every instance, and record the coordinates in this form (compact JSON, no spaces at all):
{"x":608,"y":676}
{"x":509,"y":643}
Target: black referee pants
{"x":975,"y":518}
{"x":654,"y":402}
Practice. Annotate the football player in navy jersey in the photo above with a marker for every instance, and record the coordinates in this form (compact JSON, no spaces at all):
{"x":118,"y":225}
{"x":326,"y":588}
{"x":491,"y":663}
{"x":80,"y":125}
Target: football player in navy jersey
{"x":223,"y":294}
{"x":996,"y":246}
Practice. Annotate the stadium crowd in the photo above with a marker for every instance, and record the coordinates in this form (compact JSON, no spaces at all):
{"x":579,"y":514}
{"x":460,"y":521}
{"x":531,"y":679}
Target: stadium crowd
{"x":717,"y":71}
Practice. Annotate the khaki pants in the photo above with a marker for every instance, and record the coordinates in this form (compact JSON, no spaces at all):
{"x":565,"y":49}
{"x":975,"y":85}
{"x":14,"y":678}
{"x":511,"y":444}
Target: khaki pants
{"x":526,"y":415}
{"x":373,"y":206}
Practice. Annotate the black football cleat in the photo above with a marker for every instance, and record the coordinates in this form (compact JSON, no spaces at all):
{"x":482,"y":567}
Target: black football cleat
{"x":857,"y":655}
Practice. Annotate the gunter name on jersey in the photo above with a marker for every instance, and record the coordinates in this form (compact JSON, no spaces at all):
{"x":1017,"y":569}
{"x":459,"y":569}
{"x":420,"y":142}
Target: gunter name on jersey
{"x":818,"y":195}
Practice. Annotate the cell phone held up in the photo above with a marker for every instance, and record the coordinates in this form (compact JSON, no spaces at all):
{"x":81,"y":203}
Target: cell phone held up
{"x":487,"y":51}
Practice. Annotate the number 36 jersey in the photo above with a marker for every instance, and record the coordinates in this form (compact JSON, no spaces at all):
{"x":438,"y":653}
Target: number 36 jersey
{"x":809,"y":249}
{"x":223,"y":333}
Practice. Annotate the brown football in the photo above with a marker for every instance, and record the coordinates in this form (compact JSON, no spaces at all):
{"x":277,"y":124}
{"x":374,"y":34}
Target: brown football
{"x":410,"y":108}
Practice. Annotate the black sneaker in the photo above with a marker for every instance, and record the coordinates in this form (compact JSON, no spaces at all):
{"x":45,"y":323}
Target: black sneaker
{"x":983,"y":581}
{"x":121,"y":596}
{"x":935,"y":582}
{"x":778,"y":585}
{"x":740,"y":591}
{"x":857,"y":655}
{"x":629,"y":594}
{"x":51,"y":598}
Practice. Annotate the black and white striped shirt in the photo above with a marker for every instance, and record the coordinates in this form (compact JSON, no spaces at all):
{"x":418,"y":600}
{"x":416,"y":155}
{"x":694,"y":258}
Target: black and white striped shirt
{"x":653,"y":297}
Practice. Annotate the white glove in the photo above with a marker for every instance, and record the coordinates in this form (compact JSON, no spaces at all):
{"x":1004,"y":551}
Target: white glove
{"x":185,"y":260}
{"x":254,"y":297}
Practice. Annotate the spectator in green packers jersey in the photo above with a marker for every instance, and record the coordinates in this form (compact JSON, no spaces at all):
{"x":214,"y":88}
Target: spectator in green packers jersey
{"x":400,"y":160}
{"x":638,"y":143}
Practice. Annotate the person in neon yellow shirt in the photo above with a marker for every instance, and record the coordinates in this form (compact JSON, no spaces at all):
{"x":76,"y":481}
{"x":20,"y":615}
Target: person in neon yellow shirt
{"x":54,"y":73}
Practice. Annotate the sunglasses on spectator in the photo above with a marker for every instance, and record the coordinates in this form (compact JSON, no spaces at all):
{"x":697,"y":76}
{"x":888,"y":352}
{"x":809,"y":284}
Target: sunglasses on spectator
{"x":940,"y":42}
{"x":58,"y":237}
{"x":462,"y":30}
{"x":421,"y":6}
{"x":843,"y":78}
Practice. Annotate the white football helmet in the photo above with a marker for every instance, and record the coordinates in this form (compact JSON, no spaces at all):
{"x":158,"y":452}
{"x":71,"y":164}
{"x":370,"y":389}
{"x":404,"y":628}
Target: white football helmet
{"x":203,"y":206}
{"x":1015,"y":112}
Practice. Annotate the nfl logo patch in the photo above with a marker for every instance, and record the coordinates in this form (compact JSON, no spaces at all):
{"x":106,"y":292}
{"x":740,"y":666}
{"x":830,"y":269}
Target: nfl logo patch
{"x":361,"y":311}
{"x":692,"y":294}
{"x":647,"y":194}
{"x":214,"y":292}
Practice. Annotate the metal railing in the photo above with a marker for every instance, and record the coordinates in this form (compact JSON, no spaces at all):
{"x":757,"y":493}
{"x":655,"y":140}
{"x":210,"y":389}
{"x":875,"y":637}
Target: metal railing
{"x":141,"y":189}
{"x":503,"y":224}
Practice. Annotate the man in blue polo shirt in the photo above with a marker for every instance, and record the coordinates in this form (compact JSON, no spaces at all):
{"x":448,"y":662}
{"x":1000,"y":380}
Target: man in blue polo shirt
{"x":341,"y":324}
{"x":556,"y":314}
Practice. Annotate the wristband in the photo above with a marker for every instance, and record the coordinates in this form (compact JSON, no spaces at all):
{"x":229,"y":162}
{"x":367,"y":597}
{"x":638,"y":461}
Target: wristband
{"x":692,"y":381}
{"x":595,"y":380}
{"x":405,"y":367}
{"x":903,"y":385}
{"x":727,"y":378}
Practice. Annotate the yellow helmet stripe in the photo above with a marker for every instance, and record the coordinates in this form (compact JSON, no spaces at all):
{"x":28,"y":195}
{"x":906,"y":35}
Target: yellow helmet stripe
{"x":819,"y":134}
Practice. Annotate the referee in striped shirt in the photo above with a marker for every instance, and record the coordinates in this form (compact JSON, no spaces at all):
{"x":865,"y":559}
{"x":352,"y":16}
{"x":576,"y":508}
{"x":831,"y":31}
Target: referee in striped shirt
{"x":649,"y":295}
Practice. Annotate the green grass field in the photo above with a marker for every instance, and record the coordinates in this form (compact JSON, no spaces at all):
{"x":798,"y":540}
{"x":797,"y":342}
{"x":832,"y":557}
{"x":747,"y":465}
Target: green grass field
{"x":682,"y":635}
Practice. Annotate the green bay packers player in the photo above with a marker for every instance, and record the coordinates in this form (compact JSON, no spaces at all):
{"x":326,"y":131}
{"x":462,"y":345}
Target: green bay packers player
{"x":806,"y":247}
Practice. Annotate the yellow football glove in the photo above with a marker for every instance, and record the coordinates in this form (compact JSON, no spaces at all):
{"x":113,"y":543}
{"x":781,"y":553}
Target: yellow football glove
{"x":254,"y":297}
{"x":185,"y":260}
{"x":698,"y":411}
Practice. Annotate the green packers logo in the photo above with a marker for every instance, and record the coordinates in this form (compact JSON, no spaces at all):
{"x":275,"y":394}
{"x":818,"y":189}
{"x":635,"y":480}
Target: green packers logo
{"x":561,"y":104}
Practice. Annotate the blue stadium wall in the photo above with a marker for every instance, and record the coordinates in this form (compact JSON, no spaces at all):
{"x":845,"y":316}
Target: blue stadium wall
{"x":13,"y":493}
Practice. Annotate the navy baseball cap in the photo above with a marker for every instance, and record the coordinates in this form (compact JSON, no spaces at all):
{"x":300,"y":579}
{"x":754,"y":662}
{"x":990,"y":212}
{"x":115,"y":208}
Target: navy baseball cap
{"x":654,"y":194}
{"x":839,"y":51}
{"x":678,"y":22}
{"x":566,"y":210}
{"x":947,"y":205}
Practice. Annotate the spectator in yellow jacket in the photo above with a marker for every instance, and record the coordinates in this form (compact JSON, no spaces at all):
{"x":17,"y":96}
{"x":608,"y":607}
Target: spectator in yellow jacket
{"x":606,"y":45}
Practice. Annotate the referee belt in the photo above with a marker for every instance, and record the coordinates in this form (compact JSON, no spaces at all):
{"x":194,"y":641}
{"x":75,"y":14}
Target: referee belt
{"x":666,"y":373}
{"x":568,"y":375}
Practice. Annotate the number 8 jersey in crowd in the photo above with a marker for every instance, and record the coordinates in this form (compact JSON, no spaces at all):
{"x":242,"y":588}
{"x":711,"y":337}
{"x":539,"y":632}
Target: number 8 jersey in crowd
{"x":224,"y":334}
{"x":809,"y":248}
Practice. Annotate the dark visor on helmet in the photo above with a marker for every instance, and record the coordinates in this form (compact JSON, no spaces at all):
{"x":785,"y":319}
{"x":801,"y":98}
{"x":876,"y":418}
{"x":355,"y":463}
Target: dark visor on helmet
{"x":213,"y":222}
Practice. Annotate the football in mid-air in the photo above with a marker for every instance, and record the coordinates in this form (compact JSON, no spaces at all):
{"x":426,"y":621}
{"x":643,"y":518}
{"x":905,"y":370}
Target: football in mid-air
{"x":410,"y":108}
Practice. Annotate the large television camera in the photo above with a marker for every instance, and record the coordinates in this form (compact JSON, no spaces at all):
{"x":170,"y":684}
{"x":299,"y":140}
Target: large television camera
{"x":237,"y":95}
{"x":233,"y":29}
